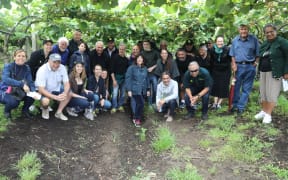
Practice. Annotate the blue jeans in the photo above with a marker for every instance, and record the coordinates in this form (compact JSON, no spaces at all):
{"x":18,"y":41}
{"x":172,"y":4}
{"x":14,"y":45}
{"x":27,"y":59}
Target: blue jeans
{"x":245,"y":75}
{"x":115,"y":103}
{"x":133,"y":105}
{"x":107,"y":104}
{"x":139,"y":106}
{"x":153,"y":81}
{"x":80,"y":103}
{"x":170,"y":105}
{"x":205,"y":103}
{"x":11,"y":103}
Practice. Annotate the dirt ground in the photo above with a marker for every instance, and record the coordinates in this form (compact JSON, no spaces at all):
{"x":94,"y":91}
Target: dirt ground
{"x":109,"y":148}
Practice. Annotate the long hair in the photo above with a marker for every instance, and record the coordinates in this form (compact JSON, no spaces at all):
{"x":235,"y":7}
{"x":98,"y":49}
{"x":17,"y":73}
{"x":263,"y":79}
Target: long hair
{"x":144,"y":60}
{"x":82,"y":74}
{"x":168,"y":62}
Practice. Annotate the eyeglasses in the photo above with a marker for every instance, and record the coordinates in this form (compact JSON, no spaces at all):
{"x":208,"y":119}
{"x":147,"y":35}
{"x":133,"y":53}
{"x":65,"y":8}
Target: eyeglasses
{"x":193,"y":71}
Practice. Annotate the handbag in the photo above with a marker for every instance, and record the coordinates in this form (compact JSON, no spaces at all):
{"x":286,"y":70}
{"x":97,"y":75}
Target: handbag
{"x":17,"y":92}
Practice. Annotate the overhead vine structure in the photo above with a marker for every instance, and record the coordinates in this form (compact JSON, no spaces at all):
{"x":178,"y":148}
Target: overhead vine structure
{"x":173,"y":20}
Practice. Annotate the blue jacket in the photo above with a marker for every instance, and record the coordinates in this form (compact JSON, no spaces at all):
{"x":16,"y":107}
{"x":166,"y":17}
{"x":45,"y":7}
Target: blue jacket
{"x":137,"y":80}
{"x":15,"y":75}
{"x":64,"y":55}
{"x":77,"y":56}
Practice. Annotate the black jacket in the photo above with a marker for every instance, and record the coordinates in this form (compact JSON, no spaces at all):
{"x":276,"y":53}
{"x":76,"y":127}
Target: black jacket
{"x":36,"y":60}
{"x":97,"y":87}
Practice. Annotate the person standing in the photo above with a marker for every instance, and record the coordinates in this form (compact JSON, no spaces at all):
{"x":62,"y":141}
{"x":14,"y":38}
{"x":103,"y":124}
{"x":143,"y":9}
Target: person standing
{"x":197,"y":83}
{"x":167,"y":96}
{"x":151,"y":56}
{"x":220,"y":71}
{"x":245,"y":57}
{"x":119,"y":65}
{"x":137,"y":86}
{"x":39,"y":57}
{"x":81,"y":55}
{"x":75,"y":42}
{"x":62,"y":49}
{"x":182,"y":61}
{"x":273,"y":67}
{"x":98,"y":57}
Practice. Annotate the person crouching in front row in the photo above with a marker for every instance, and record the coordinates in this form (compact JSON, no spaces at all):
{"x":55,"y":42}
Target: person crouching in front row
{"x":167,"y":96}
{"x":49,"y":79}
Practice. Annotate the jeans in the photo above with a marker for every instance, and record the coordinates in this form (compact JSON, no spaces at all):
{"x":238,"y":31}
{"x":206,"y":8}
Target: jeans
{"x":133,"y":104}
{"x":115,"y":103}
{"x":153,"y":81}
{"x":11,"y":103}
{"x":107,"y":104}
{"x":205,"y":103}
{"x":170,"y":105}
{"x":139,"y":106}
{"x":80,"y":103}
{"x":245,"y":75}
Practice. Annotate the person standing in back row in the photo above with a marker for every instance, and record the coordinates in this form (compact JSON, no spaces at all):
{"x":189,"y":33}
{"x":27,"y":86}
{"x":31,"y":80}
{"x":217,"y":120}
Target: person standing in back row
{"x":245,"y":56}
{"x":273,"y":66}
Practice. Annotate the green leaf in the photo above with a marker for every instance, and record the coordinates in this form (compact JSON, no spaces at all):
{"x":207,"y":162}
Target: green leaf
{"x":159,"y":3}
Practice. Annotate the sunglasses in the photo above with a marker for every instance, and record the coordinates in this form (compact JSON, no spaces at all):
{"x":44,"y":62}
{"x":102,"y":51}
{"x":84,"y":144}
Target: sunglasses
{"x":192,"y":71}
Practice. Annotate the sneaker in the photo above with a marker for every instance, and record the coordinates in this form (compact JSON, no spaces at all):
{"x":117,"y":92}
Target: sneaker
{"x":113,"y":110}
{"x":169,"y":119}
{"x":121,"y":109}
{"x":267,"y":119}
{"x":89,"y":114}
{"x":137,"y":122}
{"x":233,"y":110}
{"x":32,"y":108}
{"x":218,"y":106}
{"x":214,"y":106}
{"x":204,"y":116}
{"x":260,"y":115}
{"x":71,"y":112}
{"x":49,"y":108}
{"x":189,"y":115}
{"x":182,"y":105}
{"x":45,"y":113}
{"x":61,"y":116}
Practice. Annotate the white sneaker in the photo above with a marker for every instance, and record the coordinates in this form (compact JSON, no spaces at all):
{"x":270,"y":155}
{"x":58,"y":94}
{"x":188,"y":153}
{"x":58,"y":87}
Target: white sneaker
{"x":49,"y":108}
{"x":45,"y":113}
{"x":169,"y":119}
{"x":61,"y":116}
{"x":89,"y":114}
{"x":267,"y":119}
{"x":71,"y":112}
{"x":260,"y":115}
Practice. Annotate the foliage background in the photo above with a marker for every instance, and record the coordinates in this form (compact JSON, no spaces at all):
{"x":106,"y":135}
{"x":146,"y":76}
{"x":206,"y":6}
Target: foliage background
{"x":131,"y":21}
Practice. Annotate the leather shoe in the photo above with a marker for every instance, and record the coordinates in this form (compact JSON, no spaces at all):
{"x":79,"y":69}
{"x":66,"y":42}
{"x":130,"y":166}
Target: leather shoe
{"x":27,"y":114}
{"x":204,"y":116}
{"x":240,"y":112}
{"x":189,"y":115}
{"x":8,"y":115}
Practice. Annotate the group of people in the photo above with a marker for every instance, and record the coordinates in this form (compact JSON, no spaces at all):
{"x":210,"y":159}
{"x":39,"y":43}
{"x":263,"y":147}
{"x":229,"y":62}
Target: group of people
{"x":81,"y":80}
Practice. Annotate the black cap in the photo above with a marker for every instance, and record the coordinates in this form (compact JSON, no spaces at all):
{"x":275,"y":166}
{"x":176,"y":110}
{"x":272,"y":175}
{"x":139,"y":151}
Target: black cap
{"x":47,"y":40}
{"x":189,"y":41}
{"x":110,"y":39}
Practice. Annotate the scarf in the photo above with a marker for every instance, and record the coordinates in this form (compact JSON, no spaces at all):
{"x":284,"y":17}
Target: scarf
{"x":218,"y":51}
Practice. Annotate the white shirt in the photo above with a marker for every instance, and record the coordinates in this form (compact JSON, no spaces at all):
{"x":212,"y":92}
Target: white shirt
{"x":51,"y":80}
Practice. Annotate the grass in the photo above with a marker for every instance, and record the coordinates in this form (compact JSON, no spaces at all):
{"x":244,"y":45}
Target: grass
{"x":245,"y":150}
{"x":29,"y":166}
{"x":279,"y":172}
{"x":142,"y":134}
{"x":206,"y":143}
{"x":164,"y":140}
{"x":189,"y":173}
{"x":2,"y":177}
{"x":282,"y":107}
